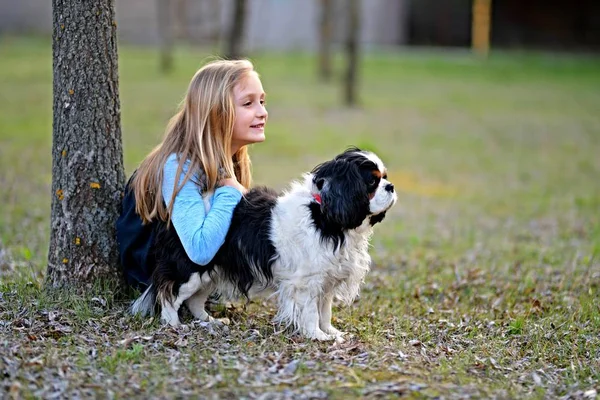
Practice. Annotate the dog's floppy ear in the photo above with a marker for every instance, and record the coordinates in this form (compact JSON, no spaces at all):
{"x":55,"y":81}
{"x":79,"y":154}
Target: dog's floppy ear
{"x":344,"y":199}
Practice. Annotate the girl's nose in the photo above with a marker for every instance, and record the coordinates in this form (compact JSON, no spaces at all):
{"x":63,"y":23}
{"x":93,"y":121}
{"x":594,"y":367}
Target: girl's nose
{"x":262,"y":112}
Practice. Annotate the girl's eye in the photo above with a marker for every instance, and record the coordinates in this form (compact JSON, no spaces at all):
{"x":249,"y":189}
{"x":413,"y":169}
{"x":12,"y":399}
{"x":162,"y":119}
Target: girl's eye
{"x":263,"y":102}
{"x":246,"y":104}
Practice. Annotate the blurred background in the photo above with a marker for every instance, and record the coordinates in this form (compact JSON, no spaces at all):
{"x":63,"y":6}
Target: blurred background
{"x":485,"y":112}
{"x":486,"y":272}
{"x":293,"y":24}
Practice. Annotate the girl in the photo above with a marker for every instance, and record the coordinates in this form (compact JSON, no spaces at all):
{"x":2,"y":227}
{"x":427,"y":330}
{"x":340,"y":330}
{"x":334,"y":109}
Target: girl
{"x":203,"y":153}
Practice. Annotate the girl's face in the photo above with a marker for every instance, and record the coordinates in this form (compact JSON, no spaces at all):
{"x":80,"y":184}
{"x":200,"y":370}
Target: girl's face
{"x":250,"y":112}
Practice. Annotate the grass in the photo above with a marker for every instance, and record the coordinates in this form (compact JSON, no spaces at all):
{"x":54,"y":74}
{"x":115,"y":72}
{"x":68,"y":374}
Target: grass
{"x":486,"y":274}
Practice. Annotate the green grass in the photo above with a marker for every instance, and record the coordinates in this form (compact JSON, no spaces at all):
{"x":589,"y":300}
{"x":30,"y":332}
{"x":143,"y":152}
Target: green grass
{"x":486,"y":274}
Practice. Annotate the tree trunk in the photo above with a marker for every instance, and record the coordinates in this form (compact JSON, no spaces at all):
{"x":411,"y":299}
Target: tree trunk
{"x":352,"y":34}
{"x":165,"y":33}
{"x":325,"y":34}
{"x":181,"y":21}
{"x":87,"y":154}
{"x":236,"y":31}
{"x":215,"y":16}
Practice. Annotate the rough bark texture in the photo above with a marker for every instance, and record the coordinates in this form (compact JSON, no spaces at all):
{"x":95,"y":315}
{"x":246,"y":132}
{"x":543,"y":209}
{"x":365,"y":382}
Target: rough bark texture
{"x":165,"y":30}
{"x":181,"y":20}
{"x":353,"y":30}
{"x":325,"y":35}
{"x":87,"y":155}
{"x":236,"y":31}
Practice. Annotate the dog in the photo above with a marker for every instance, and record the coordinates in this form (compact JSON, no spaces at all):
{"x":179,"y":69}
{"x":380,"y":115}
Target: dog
{"x":305,"y":247}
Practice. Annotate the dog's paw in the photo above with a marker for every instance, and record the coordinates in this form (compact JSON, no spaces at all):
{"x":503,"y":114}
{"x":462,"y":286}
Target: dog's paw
{"x":173,"y":323}
{"x":169,"y":316}
{"x":320,"y":335}
{"x":332,"y":331}
{"x":337,"y":335}
{"x":204,"y":318}
{"x":339,"y":339}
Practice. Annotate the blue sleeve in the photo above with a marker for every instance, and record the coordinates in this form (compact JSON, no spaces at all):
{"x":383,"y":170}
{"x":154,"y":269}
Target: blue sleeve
{"x":200,"y":232}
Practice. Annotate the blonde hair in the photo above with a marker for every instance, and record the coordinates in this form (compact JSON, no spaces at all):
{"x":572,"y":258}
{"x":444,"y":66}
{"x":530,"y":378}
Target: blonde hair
{"x":201,"y":132}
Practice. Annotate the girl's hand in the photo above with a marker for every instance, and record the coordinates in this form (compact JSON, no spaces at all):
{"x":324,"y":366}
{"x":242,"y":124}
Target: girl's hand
{"x":234,"y":184}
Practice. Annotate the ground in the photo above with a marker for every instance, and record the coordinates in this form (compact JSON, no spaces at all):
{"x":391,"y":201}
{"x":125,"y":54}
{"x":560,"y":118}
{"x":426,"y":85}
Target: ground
{"x":486,"y":273}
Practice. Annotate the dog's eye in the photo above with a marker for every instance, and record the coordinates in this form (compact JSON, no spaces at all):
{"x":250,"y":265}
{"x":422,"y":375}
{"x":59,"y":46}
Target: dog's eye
{"x":385,"y":176}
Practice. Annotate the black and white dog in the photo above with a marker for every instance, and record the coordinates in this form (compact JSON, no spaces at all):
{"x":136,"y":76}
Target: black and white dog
{"x":305,"y":247}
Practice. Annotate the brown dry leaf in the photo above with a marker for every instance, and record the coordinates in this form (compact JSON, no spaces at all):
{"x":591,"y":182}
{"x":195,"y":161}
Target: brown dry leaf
{"x":125,"y":342}
{"x":14,"y":390}
{"x":35,"y":361}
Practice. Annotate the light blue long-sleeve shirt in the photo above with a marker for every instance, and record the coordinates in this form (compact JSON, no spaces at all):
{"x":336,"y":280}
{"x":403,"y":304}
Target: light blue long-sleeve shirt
{"x":200,"y":232}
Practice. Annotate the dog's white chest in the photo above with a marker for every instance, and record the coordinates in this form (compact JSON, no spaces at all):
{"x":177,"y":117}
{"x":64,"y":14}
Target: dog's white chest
{"x":305,"y":257}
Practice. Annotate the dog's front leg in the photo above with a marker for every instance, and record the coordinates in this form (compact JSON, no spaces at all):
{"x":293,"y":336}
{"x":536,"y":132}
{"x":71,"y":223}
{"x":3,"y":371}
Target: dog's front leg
{"x":325,"y":305}
{"x":309,"y":318}
{"x":301,"y":309}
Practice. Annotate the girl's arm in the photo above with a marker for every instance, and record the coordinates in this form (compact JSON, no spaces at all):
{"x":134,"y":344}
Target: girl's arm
{"x":201,"y":233}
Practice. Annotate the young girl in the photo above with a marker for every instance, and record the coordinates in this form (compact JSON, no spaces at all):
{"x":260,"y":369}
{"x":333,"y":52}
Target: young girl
{"x":203,"y":154}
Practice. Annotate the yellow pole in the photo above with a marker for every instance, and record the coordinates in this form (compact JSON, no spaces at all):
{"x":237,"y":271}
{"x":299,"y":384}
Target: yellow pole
{"x":480,"y":35}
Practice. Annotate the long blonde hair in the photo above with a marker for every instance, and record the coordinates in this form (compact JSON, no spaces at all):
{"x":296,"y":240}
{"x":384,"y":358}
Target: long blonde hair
{"x":201,"y":132}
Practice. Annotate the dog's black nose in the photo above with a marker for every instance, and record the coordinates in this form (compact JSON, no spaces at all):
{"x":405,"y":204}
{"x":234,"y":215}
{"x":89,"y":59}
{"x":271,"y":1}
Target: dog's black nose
{"x":389,"y":187}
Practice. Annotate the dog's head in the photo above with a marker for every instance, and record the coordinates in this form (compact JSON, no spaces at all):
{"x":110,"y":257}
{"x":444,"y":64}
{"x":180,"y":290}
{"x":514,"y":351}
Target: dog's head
{"x":352,"y":187}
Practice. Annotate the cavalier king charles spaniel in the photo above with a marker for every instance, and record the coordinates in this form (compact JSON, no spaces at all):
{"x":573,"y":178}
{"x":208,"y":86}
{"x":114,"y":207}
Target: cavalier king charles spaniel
{"x":306,"y":247}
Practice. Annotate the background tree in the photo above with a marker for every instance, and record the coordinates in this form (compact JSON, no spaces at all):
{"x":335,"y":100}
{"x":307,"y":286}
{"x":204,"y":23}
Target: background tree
{"x":165,"y":33}
{"x":236,"y":30}
{"x":181,"y":25}
{"x":214,"y":16}
{"x":325,"y":35}
{"x":87,"y":154}
{"x":352,"y":52}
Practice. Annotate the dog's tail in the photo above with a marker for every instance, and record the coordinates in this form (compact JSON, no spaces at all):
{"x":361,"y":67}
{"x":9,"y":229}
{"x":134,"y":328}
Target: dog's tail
{"x":145,"y":305}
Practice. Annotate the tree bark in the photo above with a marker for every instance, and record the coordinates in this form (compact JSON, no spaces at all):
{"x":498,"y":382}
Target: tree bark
{"x":87,"y":155}
{"x":215,"y":15}
{"x":325,"y":34}
{"x":181,"y":21}
{"x":165,"y":33}
{"x":352,"y":53}
{"x":236,"y":31}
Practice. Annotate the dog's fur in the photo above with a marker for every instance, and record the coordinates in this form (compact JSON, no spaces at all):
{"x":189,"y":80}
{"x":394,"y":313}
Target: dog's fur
{"x":306,"y":246}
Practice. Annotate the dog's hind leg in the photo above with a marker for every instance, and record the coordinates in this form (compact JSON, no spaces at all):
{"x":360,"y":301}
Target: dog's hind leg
{"x":169,"y":312}
{"x":197,"y":301}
